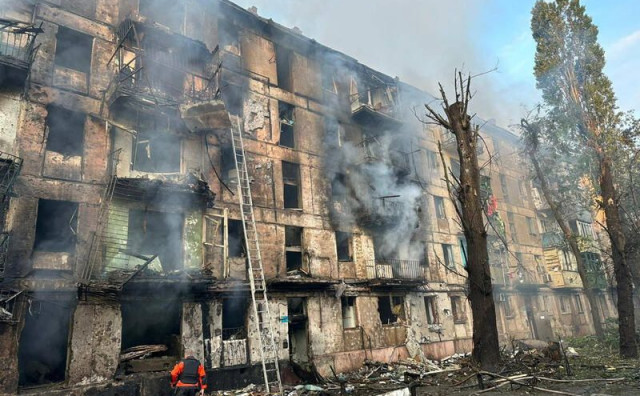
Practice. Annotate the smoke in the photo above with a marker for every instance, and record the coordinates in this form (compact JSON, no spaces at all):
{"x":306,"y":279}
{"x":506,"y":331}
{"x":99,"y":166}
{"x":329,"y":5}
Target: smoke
{"x":423,"y":42}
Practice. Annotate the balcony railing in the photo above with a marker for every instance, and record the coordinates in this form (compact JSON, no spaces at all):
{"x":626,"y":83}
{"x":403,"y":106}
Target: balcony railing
{"x":16,"y":43}
{"x":395,"y":269}
{"x":10,"y":166}
{"x":382,"y":212}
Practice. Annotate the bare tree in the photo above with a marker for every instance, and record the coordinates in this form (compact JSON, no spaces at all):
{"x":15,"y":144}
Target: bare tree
{"x":457,"y":121}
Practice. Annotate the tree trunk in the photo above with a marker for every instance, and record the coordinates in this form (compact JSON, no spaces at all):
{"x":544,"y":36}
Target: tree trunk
{"x":485,"y":332}
{"x":570,"y":238}
{"x":626,"y":316}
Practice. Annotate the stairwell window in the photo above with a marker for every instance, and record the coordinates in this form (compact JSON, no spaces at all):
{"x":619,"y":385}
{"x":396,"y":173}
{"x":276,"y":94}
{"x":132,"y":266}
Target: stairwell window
{"x":440,"y":211}
{"x":431,"y":308}
{"x":343,"y":246}
{"x":578,"y":303}
{"x":505,"y":188}
{"x":447,"y":253}
{"x":283,"y":67}
{"x":291,"y":185}
{"x":348,"y":312}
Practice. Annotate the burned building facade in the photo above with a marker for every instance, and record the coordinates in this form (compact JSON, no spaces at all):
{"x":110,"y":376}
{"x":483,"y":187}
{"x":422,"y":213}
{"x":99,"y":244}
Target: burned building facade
{"x":124,"y":235}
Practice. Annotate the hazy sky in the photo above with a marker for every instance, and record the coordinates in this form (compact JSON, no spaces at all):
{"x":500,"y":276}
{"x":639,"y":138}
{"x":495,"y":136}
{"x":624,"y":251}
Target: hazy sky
{"x":422,"y":41}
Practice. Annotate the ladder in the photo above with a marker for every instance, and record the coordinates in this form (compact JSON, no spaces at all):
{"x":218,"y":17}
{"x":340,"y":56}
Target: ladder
{"x":260,"y":303}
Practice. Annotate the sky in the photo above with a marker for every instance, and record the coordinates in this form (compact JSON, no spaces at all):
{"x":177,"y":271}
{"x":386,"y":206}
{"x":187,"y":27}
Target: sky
{"x":424,"y":41}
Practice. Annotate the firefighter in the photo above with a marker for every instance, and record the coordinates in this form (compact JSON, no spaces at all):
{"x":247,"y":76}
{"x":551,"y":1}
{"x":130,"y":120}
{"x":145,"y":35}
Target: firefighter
{"x":188,"y":377}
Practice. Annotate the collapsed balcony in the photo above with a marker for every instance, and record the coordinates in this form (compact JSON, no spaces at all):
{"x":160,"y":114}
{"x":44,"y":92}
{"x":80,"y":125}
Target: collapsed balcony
{"x":159,"y":68}
{"x":16,"y":49}
{"x":374,"y":103}
{"x":395,"y":269}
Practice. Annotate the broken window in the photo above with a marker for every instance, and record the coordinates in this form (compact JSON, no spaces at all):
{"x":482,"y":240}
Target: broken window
{"x":65,"y":131}
{"x":283,"y":67}
{"x":447,"y":252}
{"x":531,"y":226}
{"x":578,"y":303}
{"x":154,"y":322}
{"x":234,"y":313}
{"x":42,"y":350}
{"x":329,"y":84}
{"x":227,"y":163}
{"x":343,"y":246}
{"x":293,"y":247}
{"x":73,"y":50}
{"x":440,"y":211}
{"x":156,"y":152}
{"x":56,"y":226}
{"x":157,"y":233}
{"x":348,"y":312}
{"x":286,"y":116}
{"x":431,"y":307}
{"x":291,"y":181}
{"x":391,"y":309}
{"x":236,"y":239}
{"x":458,"y":309}
{"x":504,"y":187}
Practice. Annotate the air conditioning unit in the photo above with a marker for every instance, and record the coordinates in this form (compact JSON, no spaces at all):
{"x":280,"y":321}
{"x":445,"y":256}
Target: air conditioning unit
{"x":547,"y":278}
{"x":502,"y":297}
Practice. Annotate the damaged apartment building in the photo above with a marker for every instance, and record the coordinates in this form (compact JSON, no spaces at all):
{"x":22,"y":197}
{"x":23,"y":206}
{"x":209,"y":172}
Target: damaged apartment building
{"x":148,"y":146}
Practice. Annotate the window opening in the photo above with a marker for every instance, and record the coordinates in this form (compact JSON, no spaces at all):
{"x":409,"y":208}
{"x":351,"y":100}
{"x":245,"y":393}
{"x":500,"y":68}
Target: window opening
{"x":291,"y":181}
{"x":42,"y":350}
{"x":65,"y":131}
{"x":283,"y":67}
{"x":56,"y":226}
{"x":287,"y":120}
{"x":440,"y":211}
{"x":156,"y":152}
{"x":431,"y":308}
{"x":293,"y":247}
{"x":391,"y":309}
{"x":234,"y":314}
{"x":157,"y":233}
{"x":343,"y":246}
{"x":458,"y":309}
{"x":348,"y":312}
{"x":73,"y":50}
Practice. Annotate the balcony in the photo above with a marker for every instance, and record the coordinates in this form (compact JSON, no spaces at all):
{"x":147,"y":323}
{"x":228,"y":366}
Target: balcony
{"x":395,"y":269}
{"x":16,"y":48}
{"x":376,"y":107}
{"x":373,"y":151}
{"x":381,"y":213}
{"x":157,"y":67}
{"x":10,"y":166}
{"x":552,"y":239}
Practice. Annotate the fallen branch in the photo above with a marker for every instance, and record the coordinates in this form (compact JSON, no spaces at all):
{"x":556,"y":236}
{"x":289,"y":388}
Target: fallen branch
{"x":523,"y":384}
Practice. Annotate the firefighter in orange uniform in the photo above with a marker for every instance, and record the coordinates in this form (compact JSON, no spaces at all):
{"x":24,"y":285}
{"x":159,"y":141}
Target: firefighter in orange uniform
{"x":188,"y":377}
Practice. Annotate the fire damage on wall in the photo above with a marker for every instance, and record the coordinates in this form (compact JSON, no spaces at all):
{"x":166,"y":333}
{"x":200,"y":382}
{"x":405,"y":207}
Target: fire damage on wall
{"x":148,"y":146}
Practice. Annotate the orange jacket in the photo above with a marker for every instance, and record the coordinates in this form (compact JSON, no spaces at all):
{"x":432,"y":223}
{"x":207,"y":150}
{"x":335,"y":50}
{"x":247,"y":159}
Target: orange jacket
{"x":189,"y":373}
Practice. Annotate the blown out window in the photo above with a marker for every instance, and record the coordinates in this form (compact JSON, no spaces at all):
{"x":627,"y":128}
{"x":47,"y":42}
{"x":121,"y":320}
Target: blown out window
{"x":156,"y":153}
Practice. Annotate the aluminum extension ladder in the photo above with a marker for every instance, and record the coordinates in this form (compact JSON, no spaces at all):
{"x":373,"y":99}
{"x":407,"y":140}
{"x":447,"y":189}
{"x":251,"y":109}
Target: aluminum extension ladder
{"x":260,"y":303}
